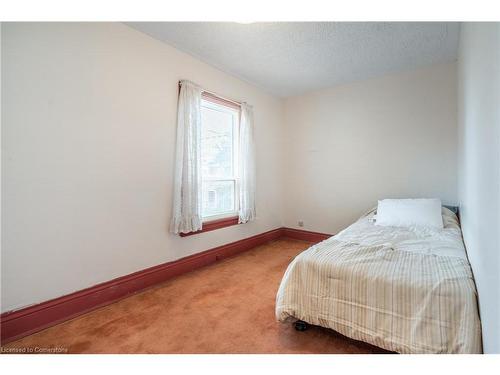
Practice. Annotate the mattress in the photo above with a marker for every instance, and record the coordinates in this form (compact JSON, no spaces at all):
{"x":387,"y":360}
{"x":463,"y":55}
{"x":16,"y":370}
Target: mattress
{"x":408,"y":290}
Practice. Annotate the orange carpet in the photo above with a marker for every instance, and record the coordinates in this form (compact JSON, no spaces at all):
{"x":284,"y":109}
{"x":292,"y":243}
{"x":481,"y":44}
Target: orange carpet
{"x":227,"y":307}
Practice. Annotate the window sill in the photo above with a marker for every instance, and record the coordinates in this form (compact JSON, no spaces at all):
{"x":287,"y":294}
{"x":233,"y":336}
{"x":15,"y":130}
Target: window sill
{"x":213,"y":225}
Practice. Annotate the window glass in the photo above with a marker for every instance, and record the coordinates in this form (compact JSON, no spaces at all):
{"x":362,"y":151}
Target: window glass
{"x":218,"y":160}
{"x":218,"y":197}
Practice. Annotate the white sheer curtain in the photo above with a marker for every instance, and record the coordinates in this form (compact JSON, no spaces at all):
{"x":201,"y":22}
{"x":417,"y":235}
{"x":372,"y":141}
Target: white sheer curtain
{"x":186,"y":215}
{"x":246,"y":165}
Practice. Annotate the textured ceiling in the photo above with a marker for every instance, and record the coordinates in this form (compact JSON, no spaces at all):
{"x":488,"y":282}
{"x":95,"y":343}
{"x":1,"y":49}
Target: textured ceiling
{"x":291,"y":58}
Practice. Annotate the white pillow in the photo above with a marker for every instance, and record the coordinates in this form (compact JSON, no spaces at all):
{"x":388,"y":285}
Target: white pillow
{"x":410,"y":212}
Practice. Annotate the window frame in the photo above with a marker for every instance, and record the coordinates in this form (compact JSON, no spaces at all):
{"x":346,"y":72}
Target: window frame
{"x":234,"y":178}
{"x":214,"y":222}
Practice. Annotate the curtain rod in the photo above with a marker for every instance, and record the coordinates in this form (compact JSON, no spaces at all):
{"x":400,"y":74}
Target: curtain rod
{"x":218,"y":96}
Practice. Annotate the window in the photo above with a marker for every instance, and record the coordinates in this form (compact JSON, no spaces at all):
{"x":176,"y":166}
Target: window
{"x":219,"y":159}
{"x":214,"y":182}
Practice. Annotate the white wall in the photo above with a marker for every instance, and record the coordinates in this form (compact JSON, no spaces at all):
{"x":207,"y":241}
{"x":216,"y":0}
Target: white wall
{"x":88,"y":122}
{"x":479,"y":167}
{"x":348,"y":146}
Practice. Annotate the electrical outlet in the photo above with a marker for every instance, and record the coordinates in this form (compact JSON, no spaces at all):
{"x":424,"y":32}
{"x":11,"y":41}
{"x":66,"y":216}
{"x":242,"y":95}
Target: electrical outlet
{"x":300,"y":223}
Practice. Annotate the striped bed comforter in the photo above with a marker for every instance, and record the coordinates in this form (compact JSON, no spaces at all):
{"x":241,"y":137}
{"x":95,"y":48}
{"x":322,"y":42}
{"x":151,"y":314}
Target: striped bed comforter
{"x":404,"y":290}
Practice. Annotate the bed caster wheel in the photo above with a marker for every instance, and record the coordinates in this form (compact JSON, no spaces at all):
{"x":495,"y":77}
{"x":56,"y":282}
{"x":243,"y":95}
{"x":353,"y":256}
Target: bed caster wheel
{"x":300,"y":325}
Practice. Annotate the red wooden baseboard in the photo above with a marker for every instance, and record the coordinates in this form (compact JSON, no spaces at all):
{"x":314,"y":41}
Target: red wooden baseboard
{"x":26,"y":321}
{"x":305,"y":235}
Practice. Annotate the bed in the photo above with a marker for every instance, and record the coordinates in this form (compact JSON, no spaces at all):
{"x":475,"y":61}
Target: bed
{"x":408,"y":290}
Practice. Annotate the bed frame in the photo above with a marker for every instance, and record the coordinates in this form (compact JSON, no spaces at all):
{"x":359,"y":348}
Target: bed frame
{"x":300,"y":325}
